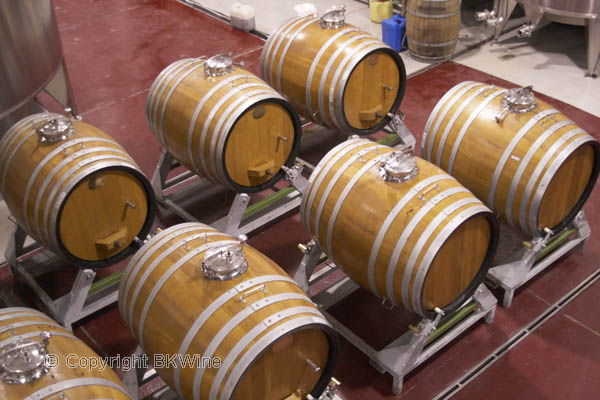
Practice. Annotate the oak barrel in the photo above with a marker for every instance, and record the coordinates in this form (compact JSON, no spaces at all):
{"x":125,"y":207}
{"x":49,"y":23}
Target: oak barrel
{"x":525,"y":159}
{"x":334,"y":73}
{"x":223,"y":123}
{"x":41,"y":360}
{"x":432,"y":28}
{"x":74,"y":189}
{"x":399,"y":226}
{"x":193,"y":290}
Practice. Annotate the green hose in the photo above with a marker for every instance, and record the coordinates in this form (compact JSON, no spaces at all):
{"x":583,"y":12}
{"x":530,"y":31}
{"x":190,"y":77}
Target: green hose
{"x":453,"y":320}
{"x":106,"y":282}
{"x":389,"y":140}
{"x":555,"y":243}
{"x":267,"y":201}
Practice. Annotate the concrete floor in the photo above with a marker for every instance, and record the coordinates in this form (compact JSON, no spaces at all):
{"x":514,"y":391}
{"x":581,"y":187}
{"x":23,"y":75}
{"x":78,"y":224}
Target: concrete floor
{"x":131,"y":41}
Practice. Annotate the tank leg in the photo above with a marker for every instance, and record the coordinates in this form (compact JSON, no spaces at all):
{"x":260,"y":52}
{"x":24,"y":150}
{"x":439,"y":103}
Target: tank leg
{"x":503,"y":10}
{"x":593,"y":49}
{"x":60,"y":88}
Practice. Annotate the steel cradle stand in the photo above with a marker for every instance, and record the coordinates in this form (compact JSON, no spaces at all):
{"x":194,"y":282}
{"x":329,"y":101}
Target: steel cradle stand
{"x":534,"y":256}
{"x":417,"y":344}
{"x":85,"y":296}
{"x":138,"y":376}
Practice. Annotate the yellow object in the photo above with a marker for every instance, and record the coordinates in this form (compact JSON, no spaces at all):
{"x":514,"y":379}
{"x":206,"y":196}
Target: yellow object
{"x":380,"y":10}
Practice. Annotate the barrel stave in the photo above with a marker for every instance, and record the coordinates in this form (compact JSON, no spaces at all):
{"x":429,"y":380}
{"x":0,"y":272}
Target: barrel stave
{"x":577,"y":170}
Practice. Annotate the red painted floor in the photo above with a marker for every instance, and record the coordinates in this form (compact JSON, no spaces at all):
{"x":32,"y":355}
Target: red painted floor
{"x":115,"y":48}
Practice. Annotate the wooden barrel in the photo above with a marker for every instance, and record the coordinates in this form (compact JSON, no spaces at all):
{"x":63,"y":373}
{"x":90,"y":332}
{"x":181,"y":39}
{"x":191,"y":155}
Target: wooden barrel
{"x":223,"y":123}
{"x":74,"y":189}
{"x":432,"y":28}
{"x":41,"y":360}
{"x":334,"y":73}
{"x":399,"y":226}
{"x":192,"y":290}
{"x":535,"y":168}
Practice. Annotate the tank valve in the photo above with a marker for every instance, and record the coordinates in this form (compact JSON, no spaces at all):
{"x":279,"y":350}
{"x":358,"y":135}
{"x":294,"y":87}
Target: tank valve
{"x":489,"y":17}
{"x":525,"y":31}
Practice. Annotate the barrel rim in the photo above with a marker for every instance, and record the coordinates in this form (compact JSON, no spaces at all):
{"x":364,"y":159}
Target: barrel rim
{"x":332,"y":356}
{"x":589,"y":188}
{"x":133,"y":246}
{"x":400,"y":95}
{"x":291,"y":157}
{"x":481,"y":274}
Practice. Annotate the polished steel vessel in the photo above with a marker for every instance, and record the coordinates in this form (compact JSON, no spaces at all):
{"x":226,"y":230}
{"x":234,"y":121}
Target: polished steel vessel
{"x":574,"y":12}
{"x":31,"y":53}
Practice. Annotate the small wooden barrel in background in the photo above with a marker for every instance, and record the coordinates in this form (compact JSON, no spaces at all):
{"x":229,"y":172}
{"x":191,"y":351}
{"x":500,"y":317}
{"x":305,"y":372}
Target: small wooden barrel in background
{"x":412,"y":235}
{"x":23,"y":332}
{"x":74,"y":189}
{"x":334,"y":74}
{"x":536,"y":168}
{"x":432,"y":28}
{"x":223,"y":123}
{"x":194,"y":290}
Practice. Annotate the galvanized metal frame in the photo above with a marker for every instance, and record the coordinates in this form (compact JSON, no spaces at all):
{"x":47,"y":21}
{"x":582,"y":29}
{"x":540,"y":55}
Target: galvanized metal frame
{"x":67,"y":309}
{"x":511,"y":275}
{"x":408,"y":351}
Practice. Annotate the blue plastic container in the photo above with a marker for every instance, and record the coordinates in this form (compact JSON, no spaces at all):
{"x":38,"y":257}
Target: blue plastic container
{"x":393,"y":31}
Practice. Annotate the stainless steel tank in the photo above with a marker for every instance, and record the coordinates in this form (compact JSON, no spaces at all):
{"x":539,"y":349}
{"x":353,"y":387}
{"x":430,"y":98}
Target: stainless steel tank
{"x":574,"y":12}
{"x":30,"y":51}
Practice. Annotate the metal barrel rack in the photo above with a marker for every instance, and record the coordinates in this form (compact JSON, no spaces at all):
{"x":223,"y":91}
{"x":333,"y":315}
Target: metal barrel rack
{"x":85,"y":296}
{"x":412,"y":348}
{"x":531,"y":256}
{"x":138,"y":376}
